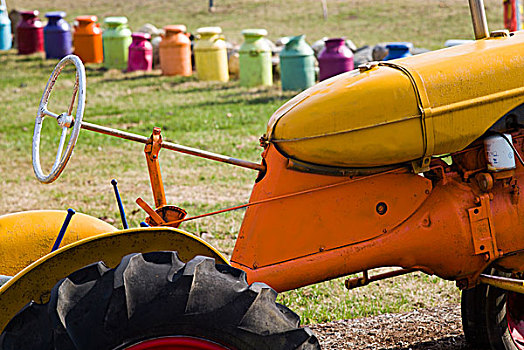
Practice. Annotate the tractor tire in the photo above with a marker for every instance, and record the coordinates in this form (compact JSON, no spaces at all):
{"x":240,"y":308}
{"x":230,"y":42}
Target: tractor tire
{"x":473,"y":318}
{"x":505,"y":315}
{"x":493,"y":318}
{"x":155,"y":301}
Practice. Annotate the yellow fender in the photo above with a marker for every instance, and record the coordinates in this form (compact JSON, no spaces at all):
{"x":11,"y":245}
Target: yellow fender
{"x":27,"y":236}
{"x":36,"y":280}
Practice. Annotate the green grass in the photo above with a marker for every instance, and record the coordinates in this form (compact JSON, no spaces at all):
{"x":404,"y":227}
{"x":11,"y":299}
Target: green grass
{"x":363,"y":21}
{"x":222,"y":118}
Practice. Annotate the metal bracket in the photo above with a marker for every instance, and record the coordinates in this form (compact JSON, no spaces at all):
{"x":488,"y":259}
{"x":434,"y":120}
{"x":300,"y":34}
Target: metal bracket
{"x":482,"y":230}
{"x":421,"y":165}
{"x":154,"y":144}
{"x":152,"y":149}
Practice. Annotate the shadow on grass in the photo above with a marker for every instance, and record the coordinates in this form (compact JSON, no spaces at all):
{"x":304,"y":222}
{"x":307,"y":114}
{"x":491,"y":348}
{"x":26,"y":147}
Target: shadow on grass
{"x":129,"y":78}
{"x":240,"y":100}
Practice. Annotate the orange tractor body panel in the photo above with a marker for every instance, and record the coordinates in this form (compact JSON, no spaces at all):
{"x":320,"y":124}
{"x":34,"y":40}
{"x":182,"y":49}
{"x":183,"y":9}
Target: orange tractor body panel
{"x":333,"y":227}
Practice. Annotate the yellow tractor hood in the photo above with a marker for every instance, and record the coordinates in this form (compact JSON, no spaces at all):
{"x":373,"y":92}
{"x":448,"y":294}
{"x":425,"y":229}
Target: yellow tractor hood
{"x":403,"y":110}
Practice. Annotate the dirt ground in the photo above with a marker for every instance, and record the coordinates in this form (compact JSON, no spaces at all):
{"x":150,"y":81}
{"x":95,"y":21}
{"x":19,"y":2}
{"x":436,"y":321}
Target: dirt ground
{"x":426,"y":329}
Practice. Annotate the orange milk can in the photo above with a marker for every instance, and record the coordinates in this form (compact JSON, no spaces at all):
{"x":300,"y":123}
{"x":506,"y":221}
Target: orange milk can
{"x":175,"y":51}
{"x":87,"y":40}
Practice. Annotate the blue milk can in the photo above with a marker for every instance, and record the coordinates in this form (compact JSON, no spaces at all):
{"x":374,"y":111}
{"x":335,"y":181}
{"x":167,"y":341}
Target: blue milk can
{"x":5,"y":29}
{"x":297,"y":64}
{"x":398,"y":50}
{"x":57,"y":35}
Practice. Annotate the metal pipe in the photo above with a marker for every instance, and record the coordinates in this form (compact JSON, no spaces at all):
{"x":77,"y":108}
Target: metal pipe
{"x":478,"y":16}
{"x":174,"y":147}
{"x":505,"y":283}
{"x":356,"y":282}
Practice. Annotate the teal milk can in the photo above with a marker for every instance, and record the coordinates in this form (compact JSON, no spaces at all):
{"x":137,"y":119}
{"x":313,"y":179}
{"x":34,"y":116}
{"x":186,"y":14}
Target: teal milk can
{"x":297,"y":64}
{"x":5,"y":29}
{"x":116,"y":40}
{"x":255,"y":59}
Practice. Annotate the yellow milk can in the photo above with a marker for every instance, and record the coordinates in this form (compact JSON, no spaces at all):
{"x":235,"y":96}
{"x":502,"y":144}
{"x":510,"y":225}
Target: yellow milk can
{"x":211,"y":54}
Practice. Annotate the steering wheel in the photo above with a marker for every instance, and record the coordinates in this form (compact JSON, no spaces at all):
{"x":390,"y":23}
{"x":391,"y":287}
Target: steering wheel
{"x":65,"y":120}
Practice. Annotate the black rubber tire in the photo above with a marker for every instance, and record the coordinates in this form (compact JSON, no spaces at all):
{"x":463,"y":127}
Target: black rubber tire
{"x":472,"y":304}
{"x":484,"y":317}
{"x":498,"y":330}
{"x":155,"y":295}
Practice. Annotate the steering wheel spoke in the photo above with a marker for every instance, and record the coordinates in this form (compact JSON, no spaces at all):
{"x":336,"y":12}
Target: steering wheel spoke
{"x":44,"y":111}
{"x":61,"y":143}
{"x":65,"y":120}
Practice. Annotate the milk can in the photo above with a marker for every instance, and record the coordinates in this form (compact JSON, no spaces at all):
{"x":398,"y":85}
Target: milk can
{"x":334,"y":59}
{"x":30,"y":33}
{"x":175,"y":51}
{"x":211,"y":54}
{"x":297,"y":64}
{"x":87,"y":40}
{"x":398,"y":50}
{"x":255,"y":59}
{"x":5,"y":29}
{"x":140,"y":53}
{"x":57,"y":35}
{"x":116,"y":39}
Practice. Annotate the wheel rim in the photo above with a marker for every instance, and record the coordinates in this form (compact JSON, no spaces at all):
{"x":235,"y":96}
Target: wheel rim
{"x":515,"y":315}
{"x":177,"y":343}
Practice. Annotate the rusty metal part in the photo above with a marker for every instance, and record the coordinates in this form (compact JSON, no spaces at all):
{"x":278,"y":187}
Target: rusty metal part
{"x":152,"y":149}
{"x":36,"y":280}
{"x":478,"y":17}
{"x":482,"y":229}
{"x":352,"y":283}
{"x":511,"y":284}
{"x":171,"y":214}
{"x":484,"y":181}
{"x":154,"y":216}
{"x":174,"y":147}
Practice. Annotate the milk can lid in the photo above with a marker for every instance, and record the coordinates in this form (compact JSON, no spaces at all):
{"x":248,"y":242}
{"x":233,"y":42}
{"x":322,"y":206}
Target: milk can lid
{"x":400,"y":45}
{"x":30,"y":13}
{"x":88,"y":18}
{"x":175,"y":28}
{"x":254,"y":32}
{"x":209,"y":30}
{"x":55,"y":14}
{"x":115,"y":21}
{"x":138,"y":35}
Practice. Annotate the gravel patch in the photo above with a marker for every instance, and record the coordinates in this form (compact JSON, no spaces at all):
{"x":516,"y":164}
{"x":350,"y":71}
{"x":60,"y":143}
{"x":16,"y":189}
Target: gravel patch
{"x":426,"y":329}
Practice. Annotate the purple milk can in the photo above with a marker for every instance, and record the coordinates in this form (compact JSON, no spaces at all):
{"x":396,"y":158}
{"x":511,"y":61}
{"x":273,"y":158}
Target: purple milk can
{"x":57,"y":35}
{"x":334,"y":59}
{"x":29,"y":33}
{"x":140,"y":53}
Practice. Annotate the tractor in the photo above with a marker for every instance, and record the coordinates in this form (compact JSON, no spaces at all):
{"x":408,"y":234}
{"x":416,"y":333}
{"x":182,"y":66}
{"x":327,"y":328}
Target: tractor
{"x":414,"y":163}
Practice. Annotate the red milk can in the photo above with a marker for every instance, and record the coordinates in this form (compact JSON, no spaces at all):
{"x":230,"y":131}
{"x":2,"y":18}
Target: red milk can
{"x":30,"y":33}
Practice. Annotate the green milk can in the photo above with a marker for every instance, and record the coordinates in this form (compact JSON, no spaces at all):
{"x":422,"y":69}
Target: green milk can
{"x":297,"y":64}
{"x":116,"y":40}
{"x":255,"y":59}
{"x":211,"y":55}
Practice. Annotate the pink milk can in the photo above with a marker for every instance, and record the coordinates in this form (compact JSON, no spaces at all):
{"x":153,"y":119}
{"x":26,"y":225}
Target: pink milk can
{"x":334,"y":59}
{"x":140,"y":53}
